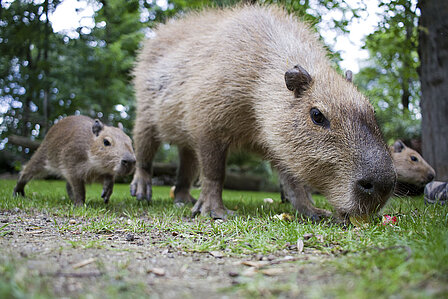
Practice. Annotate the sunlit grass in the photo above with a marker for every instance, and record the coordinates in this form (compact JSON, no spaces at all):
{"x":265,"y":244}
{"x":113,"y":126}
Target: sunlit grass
{"x":409,"y":259}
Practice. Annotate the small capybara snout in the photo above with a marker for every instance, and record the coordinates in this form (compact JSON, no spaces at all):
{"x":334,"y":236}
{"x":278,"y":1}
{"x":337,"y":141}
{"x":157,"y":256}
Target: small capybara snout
{"x":127,"y":164}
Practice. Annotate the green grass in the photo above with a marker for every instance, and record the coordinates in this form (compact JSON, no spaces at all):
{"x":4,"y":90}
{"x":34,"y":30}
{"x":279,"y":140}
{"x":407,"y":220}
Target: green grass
{"x":409,"y":260}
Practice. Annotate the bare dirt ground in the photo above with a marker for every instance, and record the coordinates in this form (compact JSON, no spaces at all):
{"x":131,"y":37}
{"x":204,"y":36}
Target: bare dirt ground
{"x":76,"y":263}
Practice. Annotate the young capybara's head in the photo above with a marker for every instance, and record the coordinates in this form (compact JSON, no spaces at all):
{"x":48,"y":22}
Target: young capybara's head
{"x":333,"y":142}
{"x":410,"y":166}
{"x":111,"y":150}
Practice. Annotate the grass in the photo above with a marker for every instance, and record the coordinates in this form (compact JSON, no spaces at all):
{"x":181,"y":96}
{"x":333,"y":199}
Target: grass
{"x":408,"y":260}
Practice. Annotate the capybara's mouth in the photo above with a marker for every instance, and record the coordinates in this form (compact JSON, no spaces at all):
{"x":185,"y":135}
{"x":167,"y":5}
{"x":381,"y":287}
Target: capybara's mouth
{"x":123,"y":171}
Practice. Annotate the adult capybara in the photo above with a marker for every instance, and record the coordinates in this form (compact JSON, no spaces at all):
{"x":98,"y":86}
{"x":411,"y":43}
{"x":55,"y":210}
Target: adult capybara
{"x":256,"y":78}
{"x":81,"y":150}
{"x":413,"y":172}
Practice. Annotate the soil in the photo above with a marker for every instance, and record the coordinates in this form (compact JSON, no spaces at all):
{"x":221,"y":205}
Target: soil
{"x":74,"y":263}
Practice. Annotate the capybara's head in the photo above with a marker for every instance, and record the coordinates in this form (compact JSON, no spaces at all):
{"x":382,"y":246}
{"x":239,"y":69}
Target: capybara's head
{"x":410,"y":166}
{"x":333,"y":141}
{"x":111,"y":150}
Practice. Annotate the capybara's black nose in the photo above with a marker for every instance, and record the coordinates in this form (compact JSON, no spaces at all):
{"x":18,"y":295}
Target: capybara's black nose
{"x":128,"y":162}
{"x":375,"y":186}
{"x":430,"y":177}
{"x":365,"y":186}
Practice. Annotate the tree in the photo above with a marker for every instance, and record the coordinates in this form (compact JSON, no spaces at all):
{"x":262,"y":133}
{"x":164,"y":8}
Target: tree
{"x":103,"y":87}
{"x":390,"y":78}
{"x":26,"y":40}
{"x":433,"y":52}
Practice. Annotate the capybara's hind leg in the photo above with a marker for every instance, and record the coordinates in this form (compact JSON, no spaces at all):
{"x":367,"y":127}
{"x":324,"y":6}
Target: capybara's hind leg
{"x":31,"y":169}
{"x":19,"y":189}
{"x":146,"y":146}
{"x":186,"y":175}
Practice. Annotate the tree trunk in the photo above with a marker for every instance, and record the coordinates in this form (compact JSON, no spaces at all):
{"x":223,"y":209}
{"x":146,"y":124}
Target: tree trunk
{"x":45,"y":106}
{"x":433,"y":52}
{"x":24,"y":142}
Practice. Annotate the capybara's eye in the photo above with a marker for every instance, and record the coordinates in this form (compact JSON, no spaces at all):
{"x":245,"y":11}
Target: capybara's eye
{"x":106,"y":142}
{"x":414,"y":158}
{"x":318,"y":118}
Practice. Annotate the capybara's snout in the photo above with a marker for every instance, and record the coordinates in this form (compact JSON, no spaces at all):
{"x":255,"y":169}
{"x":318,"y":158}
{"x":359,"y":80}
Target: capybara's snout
{"x":374,"y":183}
{"x":127,"y":163}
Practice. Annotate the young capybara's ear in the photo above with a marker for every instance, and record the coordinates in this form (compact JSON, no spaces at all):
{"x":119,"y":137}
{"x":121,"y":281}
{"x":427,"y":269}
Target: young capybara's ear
{"x":97,"y":127}
{"x":297,"y":79}
{"x":349,"y":75}
{"x":398,"y":146}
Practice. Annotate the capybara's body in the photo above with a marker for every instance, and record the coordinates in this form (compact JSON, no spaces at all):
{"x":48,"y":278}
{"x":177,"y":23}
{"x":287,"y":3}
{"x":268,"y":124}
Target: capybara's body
{"x":81,"y":150}
{"x":256,"y":78}
{"x":413,"y":172}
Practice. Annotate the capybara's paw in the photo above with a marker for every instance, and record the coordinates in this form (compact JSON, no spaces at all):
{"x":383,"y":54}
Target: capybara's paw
{"x":141,"y":186}
{"x":182,"y":198}
{"x":18,"y":192}
{"x":78,"y":202}
{"x":318,"y":215}
{"x":107,"y":192}
{"x":222,"y":214}
{"x":206,"y":209}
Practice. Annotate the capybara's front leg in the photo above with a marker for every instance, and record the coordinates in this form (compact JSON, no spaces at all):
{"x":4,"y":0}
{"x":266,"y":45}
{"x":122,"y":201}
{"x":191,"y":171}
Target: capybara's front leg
{"x":78,"y":190}
{"x":300,"y":198}
{"x":108,"y":187}
{"x":146,"y":145}
{"x":141,"y":186}
{"x":212,"y":156}
{"x":69,"y":189}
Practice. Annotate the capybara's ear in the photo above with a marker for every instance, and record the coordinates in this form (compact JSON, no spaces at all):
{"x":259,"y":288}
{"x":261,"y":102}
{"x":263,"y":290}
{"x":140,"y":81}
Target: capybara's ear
{"x":349,"y":75}
{"x":398,"y":146}
{"x":297,"y":79}
{"x":97,"y":127}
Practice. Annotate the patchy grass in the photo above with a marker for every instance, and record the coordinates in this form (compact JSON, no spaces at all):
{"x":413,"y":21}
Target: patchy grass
{"x":408,"y":260}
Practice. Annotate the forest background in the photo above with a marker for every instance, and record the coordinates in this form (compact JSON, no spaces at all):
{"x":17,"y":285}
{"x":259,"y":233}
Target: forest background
{"x":45,"y":75}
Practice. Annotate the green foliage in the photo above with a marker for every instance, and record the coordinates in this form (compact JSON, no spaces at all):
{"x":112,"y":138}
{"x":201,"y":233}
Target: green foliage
{"x":109,"y":50}
{"x":390,"y":79}
{"x":26,"y":46}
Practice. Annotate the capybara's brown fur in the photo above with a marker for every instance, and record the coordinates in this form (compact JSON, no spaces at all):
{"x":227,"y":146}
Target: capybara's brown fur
{"x":81,"y":150}
{"x":256,"y":78}
{"x":413,"y":172}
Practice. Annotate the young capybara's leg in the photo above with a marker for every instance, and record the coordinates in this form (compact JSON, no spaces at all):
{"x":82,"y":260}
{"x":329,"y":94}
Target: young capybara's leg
{"x":31,"y":169}
{"x":78,"y":190}
{"x":300,"y":198}
{"x":69,"y":189}
{"x":186,"y":175}
{"x":146,"y":146}
{"x":108,"y":187}
{"x":212,"y":158}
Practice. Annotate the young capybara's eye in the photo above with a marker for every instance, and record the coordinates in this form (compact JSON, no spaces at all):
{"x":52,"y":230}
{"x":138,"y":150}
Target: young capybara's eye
{"x":318,"y":118}
{"x":106,"y":142}
{"x":414,"y":158}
